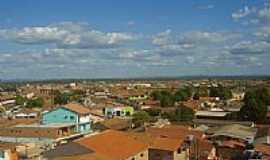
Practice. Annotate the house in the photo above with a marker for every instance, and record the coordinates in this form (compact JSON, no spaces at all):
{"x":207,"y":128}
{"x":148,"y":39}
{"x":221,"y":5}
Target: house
{"x":213,"y":122}
{"x":35,"y":133}
{"x":179,"y":143}
{"x":118,"y":111}
{"x":71,"y":114}
{"x":214,"y":115}
{"x":234,"y":132}
{"x":137,"y":97}
{"x":26,"y":114}
{"x":109,"y":145}
{"x":116,"y":145}
{"x":166,"y":148}
{"x":168,"y":143}
{"x":71,"y":149}
{"x":150,"y":104}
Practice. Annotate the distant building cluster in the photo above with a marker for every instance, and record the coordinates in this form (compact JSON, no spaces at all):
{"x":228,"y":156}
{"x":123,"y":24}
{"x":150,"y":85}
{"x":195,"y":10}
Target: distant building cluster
{"x":122,"y":120}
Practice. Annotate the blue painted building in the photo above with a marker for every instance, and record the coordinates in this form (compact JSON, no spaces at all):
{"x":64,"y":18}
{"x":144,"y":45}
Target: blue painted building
{"x":71,"y":114}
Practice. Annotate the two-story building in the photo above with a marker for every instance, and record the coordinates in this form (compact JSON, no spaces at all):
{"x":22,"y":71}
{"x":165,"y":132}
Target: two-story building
{"x":71,"y":114}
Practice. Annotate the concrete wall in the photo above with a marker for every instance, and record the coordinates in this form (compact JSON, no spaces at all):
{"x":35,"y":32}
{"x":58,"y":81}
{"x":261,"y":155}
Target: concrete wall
{"x":180,"y":156}
{"x":84,"y":119}
{"x":265,"y":139}
{"x":26,"y":140}
{"x":140,"y":156}
{"x":155,"y":154}
{"x":122,"y":110}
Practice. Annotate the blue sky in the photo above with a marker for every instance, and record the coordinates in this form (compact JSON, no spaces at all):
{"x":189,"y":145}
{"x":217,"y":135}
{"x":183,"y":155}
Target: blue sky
{"x":127,"y":38}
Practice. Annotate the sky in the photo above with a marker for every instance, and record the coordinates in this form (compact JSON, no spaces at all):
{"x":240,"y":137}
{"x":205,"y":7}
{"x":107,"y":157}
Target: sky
{"x":133,"y":39}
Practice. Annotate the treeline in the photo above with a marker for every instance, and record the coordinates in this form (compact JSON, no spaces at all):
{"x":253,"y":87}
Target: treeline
{"x":66,"y":97}
{"x":36,"y":102}
{"x":168,"y":99}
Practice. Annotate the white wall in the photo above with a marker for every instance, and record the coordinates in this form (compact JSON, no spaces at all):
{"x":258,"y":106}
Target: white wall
{"x":84,"y":119}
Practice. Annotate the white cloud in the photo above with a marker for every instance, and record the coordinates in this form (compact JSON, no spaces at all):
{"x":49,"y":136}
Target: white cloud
{"x":250,"y":47}
{"x":188,"y":39}
{"x":67,"y":35}
{"x":264,"y":33}
{"x":241,"y":13}
{"x":200,"y":37}
{"x":265,"y":12}
{"x":162,"y":38}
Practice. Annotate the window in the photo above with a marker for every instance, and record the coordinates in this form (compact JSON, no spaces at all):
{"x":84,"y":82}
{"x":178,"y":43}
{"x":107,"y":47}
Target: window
{"x":179,"y":150}
{"x":2,"y":154}
{"x":66,"y":117}
{"x":141,"y":155}
{"x":72,"y":117}
{"x":133,"y":158}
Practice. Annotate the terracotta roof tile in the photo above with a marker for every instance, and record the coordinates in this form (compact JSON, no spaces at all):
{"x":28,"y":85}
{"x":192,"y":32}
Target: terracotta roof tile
{"x":174,"y":132}
{"x":166,"y":144}
{"x":76,"y":108}
{"x":265,"y":149}
{"x":114,"y":144}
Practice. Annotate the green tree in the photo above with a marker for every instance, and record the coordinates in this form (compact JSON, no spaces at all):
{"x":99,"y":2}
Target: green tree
{"x":20,"y":100}
{"x":184,"y":114}
{"x":183,"y":94}
{"x":221,"y":92}
{"x":255,"y":105}
{"x":140,"y":117}
{"x":154,"y":112}
{"x":167,"y":101}
{"x":35,"y":103}
{"x":180,"y":114}
{"x":166,"y":98}
{"x":62,"y":98}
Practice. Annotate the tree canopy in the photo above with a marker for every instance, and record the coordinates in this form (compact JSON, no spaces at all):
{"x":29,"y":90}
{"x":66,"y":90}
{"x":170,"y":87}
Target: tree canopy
{"x":20,"y":100}
{"x":62,"y":98}
{"x":140,"y":117}
{"x":255,"y":105}
{"x":35,"y":103}
{"x":166,"y":98}
{"x":182,"y":113}
{"x":221,"y":92}
{"x":183,"y":94}
{"x":154,"y":112}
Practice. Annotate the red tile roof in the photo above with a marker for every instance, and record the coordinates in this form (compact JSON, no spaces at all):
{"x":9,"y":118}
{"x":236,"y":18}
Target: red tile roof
{"x":114,"y":144}
{"x":174,"y":132}
{"x":264,"y":148}
{"x":77,"y":108}
{"x":166,"y":144}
